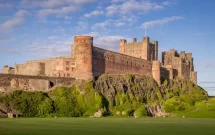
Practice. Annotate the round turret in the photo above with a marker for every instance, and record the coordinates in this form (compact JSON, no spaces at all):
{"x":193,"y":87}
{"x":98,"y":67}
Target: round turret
{"x":83,"y":40}
{"x":156,"y":71}
{"x":83,"y":49}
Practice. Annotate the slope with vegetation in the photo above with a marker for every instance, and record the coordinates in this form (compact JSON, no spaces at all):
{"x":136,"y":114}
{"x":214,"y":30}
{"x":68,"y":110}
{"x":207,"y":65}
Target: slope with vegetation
{"x":113,"y":95}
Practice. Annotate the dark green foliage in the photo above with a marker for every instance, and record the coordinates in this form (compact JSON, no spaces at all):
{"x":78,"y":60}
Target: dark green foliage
{"x":65,"y":102}
{"x":28,"y":104}
{"x":181,"y":95}
{"x":141,"y":111}
{"x":174,"y":104}
{"x":46,"y":108}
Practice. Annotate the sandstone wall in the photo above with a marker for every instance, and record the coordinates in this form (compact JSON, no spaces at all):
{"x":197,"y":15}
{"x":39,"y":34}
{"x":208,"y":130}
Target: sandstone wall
{"x":105,"y":61}
{"x":185,"y":71}
{"x":182,"y":64}
{"x":144,"y":49}
{"x":82,"y":48}
{"x":57,"y":67}
{"x":32,"y":83}
{"x":167,"y":72}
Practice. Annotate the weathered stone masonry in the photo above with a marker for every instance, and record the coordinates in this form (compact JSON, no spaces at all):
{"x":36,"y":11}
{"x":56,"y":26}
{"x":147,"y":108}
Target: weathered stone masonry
{"x":10,"y":82}
{"x":88,"y":62}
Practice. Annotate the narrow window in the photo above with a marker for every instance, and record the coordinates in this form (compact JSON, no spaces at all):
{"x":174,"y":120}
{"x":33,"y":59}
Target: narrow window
{"x":67,"y":62}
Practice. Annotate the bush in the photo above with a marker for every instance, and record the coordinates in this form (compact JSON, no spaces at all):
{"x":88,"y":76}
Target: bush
{"x":175,"y":104}
{"x":128,"y":112}
{"x":66,"y":102}
{"x":45,"y":108}
{"x":28,"y":104}
{"x":140,"y":112}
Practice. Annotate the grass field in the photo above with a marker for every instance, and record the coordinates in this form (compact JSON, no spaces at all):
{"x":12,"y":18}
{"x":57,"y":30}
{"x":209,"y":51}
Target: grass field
{"x":107,"y":126}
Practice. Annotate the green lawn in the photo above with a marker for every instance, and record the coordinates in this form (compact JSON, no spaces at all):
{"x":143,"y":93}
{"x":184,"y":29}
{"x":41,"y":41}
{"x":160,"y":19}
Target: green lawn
{"x":107,"y":126}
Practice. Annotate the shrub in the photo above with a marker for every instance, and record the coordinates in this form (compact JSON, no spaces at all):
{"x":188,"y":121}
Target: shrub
{"x":141,"y":111}
{"x":174,"y":104}
{"x":45,"y":108}
{"x":128,"y":112}
{"x":66,"y":102}
{"x":28,"y":104}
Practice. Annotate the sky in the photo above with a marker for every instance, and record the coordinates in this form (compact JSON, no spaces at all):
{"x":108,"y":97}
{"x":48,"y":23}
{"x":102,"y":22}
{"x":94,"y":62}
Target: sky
{"x":34,"y":29}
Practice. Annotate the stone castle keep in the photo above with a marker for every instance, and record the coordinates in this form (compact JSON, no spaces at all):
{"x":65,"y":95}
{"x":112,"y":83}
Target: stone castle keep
{"x":88,"y":62}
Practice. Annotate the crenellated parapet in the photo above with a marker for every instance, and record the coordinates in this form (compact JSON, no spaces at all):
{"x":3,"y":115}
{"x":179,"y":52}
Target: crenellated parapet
{"x":182,"y":64}
{"x":144,"y":49}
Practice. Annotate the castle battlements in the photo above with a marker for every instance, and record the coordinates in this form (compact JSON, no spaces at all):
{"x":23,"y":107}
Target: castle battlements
{"x":88,"y":62}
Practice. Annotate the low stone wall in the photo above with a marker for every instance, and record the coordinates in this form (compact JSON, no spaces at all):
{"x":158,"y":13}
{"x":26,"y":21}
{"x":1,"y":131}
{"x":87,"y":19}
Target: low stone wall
{"x":10,"y":82}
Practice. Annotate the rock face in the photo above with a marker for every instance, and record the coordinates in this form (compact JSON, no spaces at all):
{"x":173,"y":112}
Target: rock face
{"x":156,"y":111}
{"x":98,"y":114}
{"x":3,"y":114}
{"x":143,"y":87}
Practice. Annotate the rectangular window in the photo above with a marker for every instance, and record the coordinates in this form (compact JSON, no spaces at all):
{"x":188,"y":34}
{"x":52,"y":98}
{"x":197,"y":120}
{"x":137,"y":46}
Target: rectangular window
{"x":67,"y":62}
{"x":68,"y":75}
{"x":67,"y":68}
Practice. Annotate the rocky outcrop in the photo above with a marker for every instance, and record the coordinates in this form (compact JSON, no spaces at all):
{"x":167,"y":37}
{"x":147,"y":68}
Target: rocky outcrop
{"x":156,"y":111}
{"x":121,"y":95}
{"x":142,"y":87}
{"x":3,"y":114}
{"x":98,"y":114}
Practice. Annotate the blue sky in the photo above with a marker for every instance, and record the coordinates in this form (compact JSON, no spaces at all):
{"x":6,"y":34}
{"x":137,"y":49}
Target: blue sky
{"x":33,"y":29}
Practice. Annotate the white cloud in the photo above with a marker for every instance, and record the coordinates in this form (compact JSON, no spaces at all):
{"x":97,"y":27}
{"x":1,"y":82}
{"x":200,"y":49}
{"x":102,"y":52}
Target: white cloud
{"x":152,"y":24}
{"x":54,"y":7}
{"x":17,"y":20}
{"x":131,"y":6}
{"x":168,"y":3}
{"x":52,"y":3}
{"x":119,"y":24}
{"x":12,"y":23}
{"x":48,"y":50}
{"x":108,"y":42}
{"x":123,"y":21}
{"x":101,"y":25}
{"x":94,"y":13}
{"x":116,"y":1}
{"x":59,"y":12}
{"x":112,"y":9}
{"x":22,"y":13}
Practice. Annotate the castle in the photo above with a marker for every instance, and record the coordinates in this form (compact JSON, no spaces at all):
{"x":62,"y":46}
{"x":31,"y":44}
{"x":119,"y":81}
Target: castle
{"x":88,"y":62}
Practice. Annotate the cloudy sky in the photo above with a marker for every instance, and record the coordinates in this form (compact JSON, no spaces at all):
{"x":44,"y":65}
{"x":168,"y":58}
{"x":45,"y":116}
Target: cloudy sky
{"x":33,"y":29}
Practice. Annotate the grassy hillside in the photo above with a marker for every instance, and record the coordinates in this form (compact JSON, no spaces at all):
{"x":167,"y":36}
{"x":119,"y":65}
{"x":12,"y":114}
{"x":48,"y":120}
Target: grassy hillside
{"x":204,"y":109}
